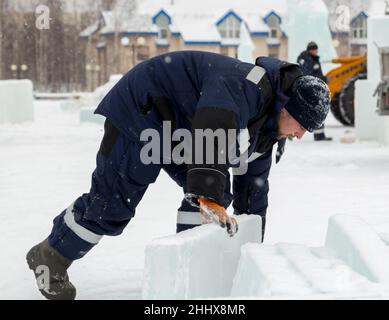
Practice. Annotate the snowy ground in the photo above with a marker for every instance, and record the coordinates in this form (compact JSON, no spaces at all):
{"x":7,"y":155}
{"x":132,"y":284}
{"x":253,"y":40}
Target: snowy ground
{"x":45,"y":165}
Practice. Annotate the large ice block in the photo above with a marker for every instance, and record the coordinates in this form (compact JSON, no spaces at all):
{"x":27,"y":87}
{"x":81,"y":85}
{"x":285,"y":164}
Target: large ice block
{"x":197,"y":263}
{"x":368,"y":124}
{"x":354,"y":263}
{"x":16,"y":101}
{"x":308,"y":21}
{"x":359,"y":246}
{"x":297,"y":271}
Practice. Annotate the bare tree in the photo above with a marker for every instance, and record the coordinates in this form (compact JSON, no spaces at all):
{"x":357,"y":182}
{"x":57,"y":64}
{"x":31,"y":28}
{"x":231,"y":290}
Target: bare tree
{"x":1,"y":36}
{"x":55,"y":58}
{"x":122,"y":13}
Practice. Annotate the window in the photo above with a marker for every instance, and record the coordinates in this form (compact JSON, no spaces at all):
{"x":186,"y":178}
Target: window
{"x":163,"y":33}
{"x":274,"y":26}
{"x":230,"y":28}
{"x":163,"y":27}
{"x":359,"y":28}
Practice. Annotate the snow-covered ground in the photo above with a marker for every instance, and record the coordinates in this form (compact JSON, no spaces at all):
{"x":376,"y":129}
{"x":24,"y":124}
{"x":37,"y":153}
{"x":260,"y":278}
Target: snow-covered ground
{"x":45,"y":165}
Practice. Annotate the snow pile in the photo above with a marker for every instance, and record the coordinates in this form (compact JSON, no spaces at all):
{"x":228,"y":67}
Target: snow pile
{"x":102,"y":91}
{"x":87,"y":115}
{"x":197,"y":263}
{"x":16,"y":101}
{"x":88,"y":103}
{"x":354,"y":260}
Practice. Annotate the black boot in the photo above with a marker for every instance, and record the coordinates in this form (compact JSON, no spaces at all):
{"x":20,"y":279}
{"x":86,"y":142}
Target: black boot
{"x":263,"y":227}
{"x":321,"y":137}
{"x":55,"y":285}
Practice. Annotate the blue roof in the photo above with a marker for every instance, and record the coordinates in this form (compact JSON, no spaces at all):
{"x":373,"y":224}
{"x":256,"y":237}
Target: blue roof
{"x":164,"y":13}
{"x":227,"y":15}
{"x":272,"y":13}
{"x":361,"y":14}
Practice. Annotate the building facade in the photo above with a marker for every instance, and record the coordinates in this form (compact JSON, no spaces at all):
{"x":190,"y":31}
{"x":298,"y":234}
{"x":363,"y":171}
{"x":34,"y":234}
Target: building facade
{"x":127,"y":35}
{"x":117,"y":42}
{"x":348,"y":21}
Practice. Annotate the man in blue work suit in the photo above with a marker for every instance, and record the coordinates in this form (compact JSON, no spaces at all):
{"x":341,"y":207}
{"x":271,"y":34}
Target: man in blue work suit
{"x":190,"y":90}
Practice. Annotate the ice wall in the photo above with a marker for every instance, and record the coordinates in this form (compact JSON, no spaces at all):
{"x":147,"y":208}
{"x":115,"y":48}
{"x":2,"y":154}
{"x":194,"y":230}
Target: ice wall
{"x":353,"y":264}
{"x":295,"y":271}
{"x":197,"y":263}
{"x":246,"y":47}
{"x":368,"y":124}
{"x":308,"y":21}
{"x":16,"y":101}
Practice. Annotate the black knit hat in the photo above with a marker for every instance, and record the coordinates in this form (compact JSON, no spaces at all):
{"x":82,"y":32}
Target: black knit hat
{"x":312,"y":46}
{"x":309,"y":102}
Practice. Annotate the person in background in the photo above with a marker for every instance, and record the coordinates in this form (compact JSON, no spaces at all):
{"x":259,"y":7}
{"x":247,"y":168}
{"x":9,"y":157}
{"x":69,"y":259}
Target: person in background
{"x":309,"y":61}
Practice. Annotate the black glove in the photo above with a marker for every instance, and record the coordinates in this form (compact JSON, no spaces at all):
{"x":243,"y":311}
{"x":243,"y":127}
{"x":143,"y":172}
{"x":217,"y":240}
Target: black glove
{"x":280,"y":149}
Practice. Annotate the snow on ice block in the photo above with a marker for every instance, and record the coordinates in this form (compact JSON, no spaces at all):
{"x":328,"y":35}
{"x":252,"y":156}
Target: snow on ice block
{"x":16,"y":101}
{"x":359,"y":246}
{"x":197,"y":263}
{"x":291,"y":270}
{"x":87,"y":115}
